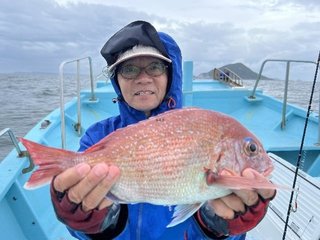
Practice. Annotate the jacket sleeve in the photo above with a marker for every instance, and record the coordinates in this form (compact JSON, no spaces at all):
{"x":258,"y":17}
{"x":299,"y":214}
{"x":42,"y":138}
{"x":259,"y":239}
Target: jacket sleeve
{"x":108,"y":222}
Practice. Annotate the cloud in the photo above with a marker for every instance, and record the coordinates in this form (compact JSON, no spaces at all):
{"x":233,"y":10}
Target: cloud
{"x":37,"y":35}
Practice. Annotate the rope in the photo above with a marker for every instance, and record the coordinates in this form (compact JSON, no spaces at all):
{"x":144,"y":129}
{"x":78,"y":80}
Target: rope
{"x":301,"y":149}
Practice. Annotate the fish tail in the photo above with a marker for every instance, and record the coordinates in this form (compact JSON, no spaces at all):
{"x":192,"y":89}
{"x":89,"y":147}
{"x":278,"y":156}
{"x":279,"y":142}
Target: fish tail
{"x":50,"y":162}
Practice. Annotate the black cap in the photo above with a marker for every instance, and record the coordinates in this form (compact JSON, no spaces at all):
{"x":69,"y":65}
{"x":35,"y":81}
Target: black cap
{"x":135,"y":33}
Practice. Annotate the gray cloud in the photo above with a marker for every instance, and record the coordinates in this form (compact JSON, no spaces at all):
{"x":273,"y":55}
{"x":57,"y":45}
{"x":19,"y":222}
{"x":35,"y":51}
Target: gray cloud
{"x":37,"y":35}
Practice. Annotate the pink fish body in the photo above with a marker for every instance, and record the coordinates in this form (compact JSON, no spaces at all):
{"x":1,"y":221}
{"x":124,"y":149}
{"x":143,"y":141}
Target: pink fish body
{"x":165,"y":160}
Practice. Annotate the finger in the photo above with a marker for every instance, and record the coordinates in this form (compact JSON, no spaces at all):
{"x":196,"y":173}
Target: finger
{"x":77,"y":193}
{"x":267,"y":193}
{"x":70,"y":177}
{"x":221,"y":209}
{"x":248,"y":197}
{"x":97,"y":196}
{"x":104,"y":203}
{"x":264,"y":193}
{"x":234,"y":202}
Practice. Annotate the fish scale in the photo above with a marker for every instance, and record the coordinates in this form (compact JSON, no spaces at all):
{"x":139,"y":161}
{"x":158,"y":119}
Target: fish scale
{"x":179,"y":146}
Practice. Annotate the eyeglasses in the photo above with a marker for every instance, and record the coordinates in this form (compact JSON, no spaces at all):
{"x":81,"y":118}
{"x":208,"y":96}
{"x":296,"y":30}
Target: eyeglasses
{"x":154,"y":69}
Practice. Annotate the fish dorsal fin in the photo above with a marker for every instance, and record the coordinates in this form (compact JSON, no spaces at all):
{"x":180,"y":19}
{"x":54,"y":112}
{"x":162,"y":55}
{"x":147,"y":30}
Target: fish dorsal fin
{"x":98,"y":146}
{"x":103,"y":143}
{"x":183,"y":212}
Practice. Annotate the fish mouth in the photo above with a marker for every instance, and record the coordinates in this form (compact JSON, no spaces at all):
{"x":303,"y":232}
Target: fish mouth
{"x":143,"y":92}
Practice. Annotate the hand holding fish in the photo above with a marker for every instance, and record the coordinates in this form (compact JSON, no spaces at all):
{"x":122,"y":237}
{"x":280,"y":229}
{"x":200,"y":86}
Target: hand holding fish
{"x":87,"y":185}
{"x":80,"y":191}
{"x":227,"y":206}
{"x":231,"y":211}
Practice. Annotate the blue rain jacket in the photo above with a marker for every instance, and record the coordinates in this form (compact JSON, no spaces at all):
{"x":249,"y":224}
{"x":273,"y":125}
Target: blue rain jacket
{"x":147,"y":221}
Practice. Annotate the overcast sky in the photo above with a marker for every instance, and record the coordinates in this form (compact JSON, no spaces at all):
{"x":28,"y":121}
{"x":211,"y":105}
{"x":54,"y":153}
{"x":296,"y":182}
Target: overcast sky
{"x":36,"y":35}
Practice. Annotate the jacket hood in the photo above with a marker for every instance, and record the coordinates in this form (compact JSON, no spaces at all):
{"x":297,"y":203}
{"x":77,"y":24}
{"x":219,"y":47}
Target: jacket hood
{"x":173,"y":98}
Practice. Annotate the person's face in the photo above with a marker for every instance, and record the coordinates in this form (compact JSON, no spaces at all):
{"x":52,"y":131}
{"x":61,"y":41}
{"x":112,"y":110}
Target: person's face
{"x":143,"y":92}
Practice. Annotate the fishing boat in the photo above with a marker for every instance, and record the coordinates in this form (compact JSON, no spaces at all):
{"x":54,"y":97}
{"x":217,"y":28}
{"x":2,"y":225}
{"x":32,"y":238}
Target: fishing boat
{"x":280,"y":126}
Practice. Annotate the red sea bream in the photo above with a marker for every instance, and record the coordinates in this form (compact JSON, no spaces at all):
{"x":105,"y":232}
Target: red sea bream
{"x":165,"y":160}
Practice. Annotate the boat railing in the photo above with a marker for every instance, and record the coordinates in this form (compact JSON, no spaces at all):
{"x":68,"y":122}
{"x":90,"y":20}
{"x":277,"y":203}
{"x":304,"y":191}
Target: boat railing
{"x":92,"y":98}
{"x":228,"y":76}
{"x":21,"y":153}
{"x":284,"y":104}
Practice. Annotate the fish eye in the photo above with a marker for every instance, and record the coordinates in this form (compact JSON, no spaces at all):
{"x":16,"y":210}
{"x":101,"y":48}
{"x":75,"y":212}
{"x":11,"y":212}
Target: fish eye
{"x":250,"y":147}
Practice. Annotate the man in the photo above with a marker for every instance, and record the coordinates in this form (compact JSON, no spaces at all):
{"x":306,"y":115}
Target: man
{"x":146,"y":74}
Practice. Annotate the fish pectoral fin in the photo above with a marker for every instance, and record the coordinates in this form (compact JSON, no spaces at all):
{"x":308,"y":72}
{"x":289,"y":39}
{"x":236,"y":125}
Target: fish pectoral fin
{"x":183,"y":212}
{"x":239,"y":182}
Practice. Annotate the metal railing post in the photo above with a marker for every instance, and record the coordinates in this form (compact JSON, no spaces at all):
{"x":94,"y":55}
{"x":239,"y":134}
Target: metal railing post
{"x":258,"y":79}
{"x":13,"y":139}
{"x":16,"y":145}
{"x":78,"y":126}
{"x":285,"y":96}
{"x":93,"y":98}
